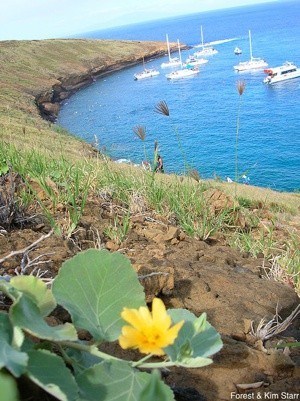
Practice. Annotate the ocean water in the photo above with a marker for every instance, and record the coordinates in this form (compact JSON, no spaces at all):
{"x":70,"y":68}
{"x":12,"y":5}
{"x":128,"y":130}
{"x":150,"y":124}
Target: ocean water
{"x":201,"y":129}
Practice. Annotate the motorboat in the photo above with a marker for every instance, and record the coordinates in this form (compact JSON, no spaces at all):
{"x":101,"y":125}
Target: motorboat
{"x":206,"y":50}
{"x":282,"y":73}
{"x":183,"y":72}
{"x":253,"y":63}
{"x":146,"y":73}
{"x":237,"y":51}
{"x":173,"y":61}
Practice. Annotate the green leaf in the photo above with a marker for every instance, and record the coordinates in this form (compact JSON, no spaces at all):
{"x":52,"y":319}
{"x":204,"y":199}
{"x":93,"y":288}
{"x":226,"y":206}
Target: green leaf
{"x":8,"y":388}
{"x":117,"y":381}
{"x":94,"y":286}
{"x":18,"y":337}
{"x":197,"y":362}
{"x":10,"y":357}
{"x":82,"y":360}
{"x":48,"y":371}
{"x":196,"y":340}
{"x":155,"y":389}
{"x":37,"y":291}
{"x":206,"y":343}
{"x":25,"y":314}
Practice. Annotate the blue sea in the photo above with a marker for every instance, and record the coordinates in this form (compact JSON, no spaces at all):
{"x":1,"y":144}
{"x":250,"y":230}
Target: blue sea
{"x":202,"y":126}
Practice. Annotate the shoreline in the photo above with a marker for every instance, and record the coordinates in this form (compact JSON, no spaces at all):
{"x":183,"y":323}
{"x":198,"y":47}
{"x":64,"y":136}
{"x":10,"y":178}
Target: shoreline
{"x":48,"y":102}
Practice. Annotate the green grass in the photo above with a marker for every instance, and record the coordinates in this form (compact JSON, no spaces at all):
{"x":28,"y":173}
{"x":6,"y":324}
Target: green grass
{"x":68,"y":170}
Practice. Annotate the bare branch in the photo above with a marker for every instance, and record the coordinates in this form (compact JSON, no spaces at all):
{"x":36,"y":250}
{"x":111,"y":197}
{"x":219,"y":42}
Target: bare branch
{"x":28,"y":248}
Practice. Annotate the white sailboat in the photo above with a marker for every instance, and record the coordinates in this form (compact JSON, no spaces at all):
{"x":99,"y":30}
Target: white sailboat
{"x":146,"y":73}
{"x":183,"y":72}
{"x":206,"y":50}
{"x":253,"y":63}
{"x":173,"y":61}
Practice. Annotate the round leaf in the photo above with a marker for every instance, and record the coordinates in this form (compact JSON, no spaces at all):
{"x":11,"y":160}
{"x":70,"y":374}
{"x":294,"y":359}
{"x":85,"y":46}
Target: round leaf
{"x":48,"y":371}
{"x":8,"y":388}
{"x":95,"y":286}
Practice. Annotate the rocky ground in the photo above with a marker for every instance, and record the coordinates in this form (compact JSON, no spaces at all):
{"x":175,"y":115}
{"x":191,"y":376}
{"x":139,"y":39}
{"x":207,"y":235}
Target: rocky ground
{"x":201,"y":276}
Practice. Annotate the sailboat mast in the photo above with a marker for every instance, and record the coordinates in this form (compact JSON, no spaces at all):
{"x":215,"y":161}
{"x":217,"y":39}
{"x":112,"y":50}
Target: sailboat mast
{"x":179,"y":52}
{"x":168,"y":46}
{"x":250,"y":43}
{"x":202,"y":37}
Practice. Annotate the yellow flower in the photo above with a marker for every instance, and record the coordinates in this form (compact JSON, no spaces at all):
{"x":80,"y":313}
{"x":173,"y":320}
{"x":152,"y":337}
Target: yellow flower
{"x":150,"y":332}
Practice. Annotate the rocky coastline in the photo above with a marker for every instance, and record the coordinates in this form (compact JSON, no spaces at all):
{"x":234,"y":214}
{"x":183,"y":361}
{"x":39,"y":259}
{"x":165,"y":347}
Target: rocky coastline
{"x":201,"y":276}
{"x":49,"y":101}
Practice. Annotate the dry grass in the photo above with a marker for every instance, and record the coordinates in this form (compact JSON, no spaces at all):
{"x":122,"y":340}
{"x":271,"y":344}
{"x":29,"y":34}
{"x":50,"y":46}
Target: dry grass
{"x":268,"y":329}
{"x":31,"y":68}
{"x":282,"y":201}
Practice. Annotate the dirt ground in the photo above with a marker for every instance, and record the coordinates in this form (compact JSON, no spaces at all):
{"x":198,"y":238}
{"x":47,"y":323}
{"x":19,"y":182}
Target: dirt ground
{"x":201,"y":276}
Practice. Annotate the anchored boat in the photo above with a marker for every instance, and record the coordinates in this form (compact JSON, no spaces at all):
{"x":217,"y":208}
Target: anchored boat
{"x":278,"y":74}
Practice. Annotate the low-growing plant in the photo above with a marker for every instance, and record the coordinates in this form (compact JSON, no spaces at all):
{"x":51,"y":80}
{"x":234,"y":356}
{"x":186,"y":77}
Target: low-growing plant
{"x":118,"y":230}
{"x":103,"y":296}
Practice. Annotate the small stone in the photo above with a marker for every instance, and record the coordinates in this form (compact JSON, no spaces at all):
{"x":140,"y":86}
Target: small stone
{"x":111,"y":246}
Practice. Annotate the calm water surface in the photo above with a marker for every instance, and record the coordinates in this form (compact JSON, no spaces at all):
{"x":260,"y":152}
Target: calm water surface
{"x":203,"y":109}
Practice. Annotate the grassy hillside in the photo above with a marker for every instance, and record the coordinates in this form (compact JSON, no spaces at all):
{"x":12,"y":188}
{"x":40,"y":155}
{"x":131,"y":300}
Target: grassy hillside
{"x":30,"y":69}
{"x":62,"y":173}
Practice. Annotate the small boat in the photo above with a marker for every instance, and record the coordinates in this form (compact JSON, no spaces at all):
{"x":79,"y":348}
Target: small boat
{"x":206,"y":50}
{"x":193,"y":61}
{"x":278,"y":74}
{"x":237,"y":51}
{"x":146,"y":73}
{"x":173,"y":61}
{"x":184,"y":72}
{"x":253,"y":63}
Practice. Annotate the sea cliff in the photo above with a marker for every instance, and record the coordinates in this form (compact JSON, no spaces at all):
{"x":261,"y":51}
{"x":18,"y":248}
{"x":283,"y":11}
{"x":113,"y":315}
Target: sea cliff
{"x":51,"y":70}
{"x":178,"y":232}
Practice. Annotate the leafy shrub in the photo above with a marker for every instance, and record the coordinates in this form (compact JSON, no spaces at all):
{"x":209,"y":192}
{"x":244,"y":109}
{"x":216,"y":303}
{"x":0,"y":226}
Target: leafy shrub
{"x":97,"y":288}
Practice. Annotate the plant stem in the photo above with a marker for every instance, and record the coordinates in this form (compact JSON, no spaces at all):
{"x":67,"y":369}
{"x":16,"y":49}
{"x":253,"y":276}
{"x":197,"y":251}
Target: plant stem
{"x":237,"y":144}
{"x":140,"y":362}
{"x":154,"y":365}
{"x":91,"y":349}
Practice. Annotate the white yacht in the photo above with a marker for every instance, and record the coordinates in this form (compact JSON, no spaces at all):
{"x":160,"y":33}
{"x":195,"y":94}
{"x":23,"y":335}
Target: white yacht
{"x":278,"y":74}
{"x":206,"y":50}
{"x":253,"y":63}
{"x":237,"y":51}
{"x":183,"y":72}
{"x":173,"y":61}
{"x":146,"y":73}
{"x":193,"y":61}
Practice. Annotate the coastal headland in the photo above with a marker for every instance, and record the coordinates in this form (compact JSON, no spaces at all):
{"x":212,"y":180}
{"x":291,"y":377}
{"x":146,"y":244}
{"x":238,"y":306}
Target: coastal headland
{"x":229,"y":250}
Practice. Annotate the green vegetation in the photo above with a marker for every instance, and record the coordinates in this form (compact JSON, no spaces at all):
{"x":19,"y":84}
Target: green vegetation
{"x":47,"y":171}
{"x":77,"y":370}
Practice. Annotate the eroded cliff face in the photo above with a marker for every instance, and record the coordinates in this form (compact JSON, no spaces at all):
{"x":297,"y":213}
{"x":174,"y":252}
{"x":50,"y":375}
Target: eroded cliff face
{"x":43,"y":73}
{"x":49,"y":101}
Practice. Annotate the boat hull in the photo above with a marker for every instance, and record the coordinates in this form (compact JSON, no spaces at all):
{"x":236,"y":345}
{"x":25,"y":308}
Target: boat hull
{"x":145,"y":75}
{"x":250,"y":66}
{"x":287,"y":77}
{"x":181,"y":74}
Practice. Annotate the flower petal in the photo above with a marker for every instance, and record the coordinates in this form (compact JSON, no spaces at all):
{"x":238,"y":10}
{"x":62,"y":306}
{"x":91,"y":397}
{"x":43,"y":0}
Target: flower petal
{"x":172,"y":333}
{"x":130,"y":338}
{"x":160,"y":317}
{"x":133,"y":317}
